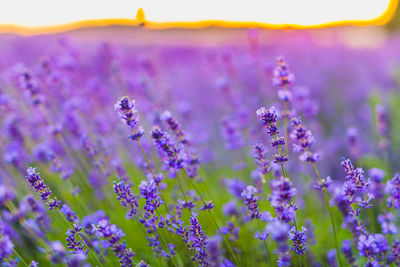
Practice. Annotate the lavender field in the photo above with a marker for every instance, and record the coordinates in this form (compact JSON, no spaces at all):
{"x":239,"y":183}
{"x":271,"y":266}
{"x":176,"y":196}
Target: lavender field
{"x":261,"y":150}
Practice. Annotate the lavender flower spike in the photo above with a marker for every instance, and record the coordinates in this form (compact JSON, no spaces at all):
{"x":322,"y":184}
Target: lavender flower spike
{"x":299,"y":239}
{"x":282,"y":75}
{"x":269,"y":119}
{"x":251,"y":201}
{"x":36,"y":182}
{"x":199,"y":239}
{"x":126,"y":197}
{"x":127,"y":110}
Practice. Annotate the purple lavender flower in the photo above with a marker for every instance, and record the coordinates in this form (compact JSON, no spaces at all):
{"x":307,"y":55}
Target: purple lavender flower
{"x":125,"y":196}
{"x":278,"y":231}
{"x":251,"y":201}
{"x":387,"y":223}
{"x":299,"y":239}
{"x":6,"y":247}
{"x":229,"y":209}
{"x":34,"y":264}
{"x":37,"y":183}
{"x":170,"y":152}
{"x":6,"y":194}
{"x":232,"y":230}
{"x":149,"y":191}
{"x":199,"y":241}
{"x":208,"y":205}
{"x":30,"y":83}
{"x":348,"y":252}
{"x":377,"y":187}
{"x":231,"y":134}
{"x":282,"y":193}
{"x":269,"y":119}
{"x":72,"y":243}
{"x":174,"y":126}
{"x":76,"y":259}
{"x":352,"y":140}
{"x":58,"y":252}
{"x":324,"y":183}
{"x":282,"y":75}
{"x":260,"y":159}
{"x":331,"y":257}
{"x":372,"y":246}
{"x":303,"y":139}
{"x":280,"y":159}
{"x":393,"y":190}
{"x":69,"y":213}
{"x":155,"y":244}
{"x":112,"y":235}
{"x":284,"y":259}
{"x":394,"y":254}
{"x":355,"y":181}
{"x":235,"y":186}
{"x":381,"y":120}
{"x":127,"y":111}
{"x":120,"y":170}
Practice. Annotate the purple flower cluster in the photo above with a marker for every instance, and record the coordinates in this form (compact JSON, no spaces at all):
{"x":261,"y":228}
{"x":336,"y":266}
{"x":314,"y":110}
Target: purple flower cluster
{"x":174,"y":127}
{"x":251,"y":201}
{"x":36,"y":182}
{"x":299,"y":239}
{"x":72,"y":243}
{"x":282,"y":193}
{"x":355,"y":182}
{"x":269,"y":119}
{"x":127,"y":111}
{"x":198,"y":240}
{"x":149,"y":191}
{"x":303,"y":139}
{"x":69,"y":213}
{"x":392,"y":189}
{"x":170,"y":152}
{"x":125,"y":196}
{"x":112,"y":235}
{"x":282,"y":75}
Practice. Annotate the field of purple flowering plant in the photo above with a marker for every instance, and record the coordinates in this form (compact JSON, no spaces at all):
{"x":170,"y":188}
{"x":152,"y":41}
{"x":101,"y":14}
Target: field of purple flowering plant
{"x":234,"y":155}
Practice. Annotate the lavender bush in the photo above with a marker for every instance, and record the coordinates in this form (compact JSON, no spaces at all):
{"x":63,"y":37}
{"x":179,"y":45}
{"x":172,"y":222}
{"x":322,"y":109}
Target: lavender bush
{"x":195,"y":156}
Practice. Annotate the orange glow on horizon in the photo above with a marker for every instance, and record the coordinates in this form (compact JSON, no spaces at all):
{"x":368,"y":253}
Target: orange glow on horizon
{"x":144,"y":19}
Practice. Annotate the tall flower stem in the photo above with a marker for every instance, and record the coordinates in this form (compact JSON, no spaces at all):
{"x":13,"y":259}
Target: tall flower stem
{"x":19,"y":256}
{"x":265,"y":244}
{"x":81,"y":239}
{"x":152,"y":172}
{"x":212,"y":217}
{"x":285,"y":126}
{"x":145,"y":157}
{"x":330,"y":215}
{"x":16,"y":253}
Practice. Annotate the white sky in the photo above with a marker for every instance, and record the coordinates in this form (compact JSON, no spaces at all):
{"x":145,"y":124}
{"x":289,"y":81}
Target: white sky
{"x":304,"y":12}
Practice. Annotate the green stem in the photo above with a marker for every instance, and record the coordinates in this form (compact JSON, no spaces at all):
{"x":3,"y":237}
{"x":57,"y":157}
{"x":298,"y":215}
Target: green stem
{"x":213,"y":218}
{"x":265,"y":243}
{"x":330,"y":215}
{"x":146,"y":158}
{"x":19,"y":256}
{"x":285,"y":125}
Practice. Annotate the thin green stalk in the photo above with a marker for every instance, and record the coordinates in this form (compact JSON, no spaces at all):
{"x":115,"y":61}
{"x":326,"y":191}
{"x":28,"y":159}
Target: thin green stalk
{"x":213,"y":218}
{"x":146,"y":158}
{"x":19,"y":256}
{"x":153,"y":173}
{"x":269,"y":254}
{"x":330,"y":215}
{"x":285,"y":125}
